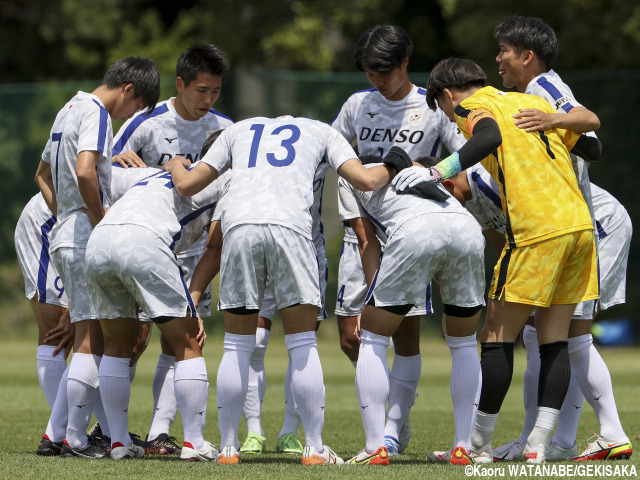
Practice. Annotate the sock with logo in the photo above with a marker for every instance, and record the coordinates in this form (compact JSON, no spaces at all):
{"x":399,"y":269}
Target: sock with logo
{"x":165,"y":407}
{"x":115,"y":391}
{"x":192,"y":392}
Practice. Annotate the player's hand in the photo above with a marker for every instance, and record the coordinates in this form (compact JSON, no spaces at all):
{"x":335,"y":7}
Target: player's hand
{"x":358,"y":330}
{"x":64,"y":333}
{"x":92,"y":218}
{"x":129,"y":159}
{"x":397,"y":159}
{"x":201,"y":337}
{"x":533,"y":120}
{"x":411,"y":176}
{"x":428,"y":190}
{"x":174,"y":161}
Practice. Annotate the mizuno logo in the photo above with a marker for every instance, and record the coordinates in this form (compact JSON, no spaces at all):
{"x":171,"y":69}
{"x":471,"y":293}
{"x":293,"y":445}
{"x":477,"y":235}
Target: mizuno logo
{"x":158,"y":408}
{"x":219,"y":407}
{"x":373,"y":114}
{"x":171,"y":139}
{"x":80,"y":406}
{"x":363,"y":406}
{"x":200,"y":413}
{"x":577,"y":407}
{"x":597,"y":398}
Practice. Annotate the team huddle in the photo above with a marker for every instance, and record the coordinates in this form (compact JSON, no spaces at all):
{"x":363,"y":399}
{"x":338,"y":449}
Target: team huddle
{"x":128,"y":231}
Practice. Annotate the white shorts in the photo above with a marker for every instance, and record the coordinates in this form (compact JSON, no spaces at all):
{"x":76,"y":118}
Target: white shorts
{"x":352,"y":287}
{"x":129,"y":265}
{"x":188,"y":265}
{"x":40,"y":275}
{"x":69,"y":261}
{"x":447,"y":248}
{"x":253,"y":253}
{"x":613,"y":254}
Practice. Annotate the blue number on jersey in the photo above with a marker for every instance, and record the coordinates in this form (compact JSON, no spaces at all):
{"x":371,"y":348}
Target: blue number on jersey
{"x":58,"y":288}
{"x":341,"y":295}
{"x":287,"y":143}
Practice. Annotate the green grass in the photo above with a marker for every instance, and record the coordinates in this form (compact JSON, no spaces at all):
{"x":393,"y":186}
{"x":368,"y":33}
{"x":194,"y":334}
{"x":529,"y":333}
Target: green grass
{"x":24,"y":414}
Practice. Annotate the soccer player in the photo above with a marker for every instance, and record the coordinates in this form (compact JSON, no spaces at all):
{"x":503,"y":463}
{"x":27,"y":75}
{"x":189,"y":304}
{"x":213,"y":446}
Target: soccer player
{"x":266,"y":227}
{"x":45,"y":291}
{"x":559,"y":248}
{"x":131,"y":261}
{"x":393,"y":112}
{"x":424,"y":240}
{"x":74,"y":176}
{"x":527,"y":47}
{"x":178,"y":126}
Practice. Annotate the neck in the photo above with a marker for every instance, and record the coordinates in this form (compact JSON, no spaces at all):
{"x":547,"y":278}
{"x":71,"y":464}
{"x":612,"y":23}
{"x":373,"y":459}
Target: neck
{"x":107,"y":97}
{"x":177,"y":104}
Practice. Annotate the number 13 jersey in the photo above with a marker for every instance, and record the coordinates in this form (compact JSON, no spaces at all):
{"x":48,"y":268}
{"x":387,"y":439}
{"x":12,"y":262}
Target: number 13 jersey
{"x":274,"y":162}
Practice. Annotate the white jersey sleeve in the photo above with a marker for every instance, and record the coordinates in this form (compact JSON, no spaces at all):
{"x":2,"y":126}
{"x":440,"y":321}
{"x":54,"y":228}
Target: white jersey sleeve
{"x":485,"y":204}
{"x":163,"y":134}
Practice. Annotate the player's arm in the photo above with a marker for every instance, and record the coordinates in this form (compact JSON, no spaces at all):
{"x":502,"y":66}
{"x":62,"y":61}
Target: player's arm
{"x":486,"y":138}
{"x":88,"y":184}
{"x":365,"y":179}
{"x":44,"y":179}
{"x":578,"y":119}
{"x":209,"y":264}
{"x":588,"y":148}
{"x":189,"y":182}
{"x":129,"y":159}
{"x":369,"y":246}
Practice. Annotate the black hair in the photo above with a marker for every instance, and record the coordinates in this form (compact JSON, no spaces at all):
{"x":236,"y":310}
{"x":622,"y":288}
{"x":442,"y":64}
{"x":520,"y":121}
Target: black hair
{"x":383,"y":48}
{"x":428,"y":161}
{"x":529,"y":33}
{"x":453,"y":72}
{"x":204,"y":57}
{"x":209,"y":141}
{"x":142,"y":73}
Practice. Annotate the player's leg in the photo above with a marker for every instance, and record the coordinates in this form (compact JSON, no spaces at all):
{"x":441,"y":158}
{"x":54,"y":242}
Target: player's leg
{"x":50,"y":368}
{"x":257,"y":385}
{"x":403,"y":381}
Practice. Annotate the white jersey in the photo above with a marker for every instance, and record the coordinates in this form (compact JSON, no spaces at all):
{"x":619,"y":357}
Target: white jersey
{"x":274,"y":165}
{"x":609,"y":212}
{"x":83,"y":124}
{"x":387,"y":209}
{"x":122,"y":179}
{"x":158,"y":137}
{"x":377,"y":124}
{"x":316,"y":208}
{"x":485,"y":204}
{"x":550,"y":86}
{"x":153,"y":203}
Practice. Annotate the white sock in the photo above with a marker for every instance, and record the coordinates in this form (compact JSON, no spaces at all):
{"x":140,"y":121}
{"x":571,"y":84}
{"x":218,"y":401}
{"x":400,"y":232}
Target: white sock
{"x":192,"y":391}
{"x":257,"y":385}
{"x":307,"y":385}
{"x":466,"y":383}
{"x":50,"y":370}
{"x":115,"y":391}
{"x":565,"y":434}
{"x":531,"y":377}
{"x":372,"y":384}
{"x":132,"y":372}
{"x":483,"y":429}
{"x":165,"y":406}
{"x":101,"y":416}
{"x":82,"y":391}
{"x":594,"y":379}
{"x":403,"y":382}
{"x":292,"y":420}
{"x":232,"y":383}
{"x":57,"y":426}
{"x":545,"y":423}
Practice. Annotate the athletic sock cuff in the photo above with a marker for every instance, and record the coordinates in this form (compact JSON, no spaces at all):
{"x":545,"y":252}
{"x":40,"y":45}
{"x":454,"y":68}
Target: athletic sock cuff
{"x":45,"y":352}
{"x":367,"y":337}
{"x":262,"y":337}
{"x":295,"y":340}
{"x":166,"y":361}
{"x":114,"y":367}
{"x":406,"y":368}
{"x":577,"y":344}
{"x":461,"y":342}
{"x":240,"y":343}
{"x":192,"y":369}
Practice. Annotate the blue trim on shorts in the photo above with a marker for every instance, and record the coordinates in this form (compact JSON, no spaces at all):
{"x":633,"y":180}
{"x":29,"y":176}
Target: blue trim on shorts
{"x":45,"y":259}
{"x":189,"y":218}
{"x":428,"y":306}
{"x":373,"y":283}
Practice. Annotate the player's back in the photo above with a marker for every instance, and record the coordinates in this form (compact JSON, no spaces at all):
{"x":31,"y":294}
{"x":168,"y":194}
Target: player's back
{"x":153,"y":203}
{"x":539,"y":190}
{"x":274,"y":163}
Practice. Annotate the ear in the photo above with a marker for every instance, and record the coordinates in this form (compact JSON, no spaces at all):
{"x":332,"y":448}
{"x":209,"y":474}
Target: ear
{"x":448,"y":92}
{"x":449,"y":185}
{"x":405,"y":63}
{"x":527,"y":57}
{"x":128,"y":88}
{"x":179,"y":85}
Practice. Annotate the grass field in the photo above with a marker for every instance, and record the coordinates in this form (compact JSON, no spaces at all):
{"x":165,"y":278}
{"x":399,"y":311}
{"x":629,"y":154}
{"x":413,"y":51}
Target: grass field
{"x":24,"y":414}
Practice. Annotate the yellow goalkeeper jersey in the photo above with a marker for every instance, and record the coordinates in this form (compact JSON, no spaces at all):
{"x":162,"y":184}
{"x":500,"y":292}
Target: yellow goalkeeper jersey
{"x":539,"y":191}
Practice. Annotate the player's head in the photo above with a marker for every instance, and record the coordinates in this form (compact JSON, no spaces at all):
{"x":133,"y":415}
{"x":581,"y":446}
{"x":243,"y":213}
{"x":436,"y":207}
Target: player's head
{"x":383,"y":52}
{"x":457,"y":185}
{"x":209,"y":141}
{"x":453,"y":77}
{"x":200,"y":72}
{"x":140,"y":81}
{"x":525,"y":43}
